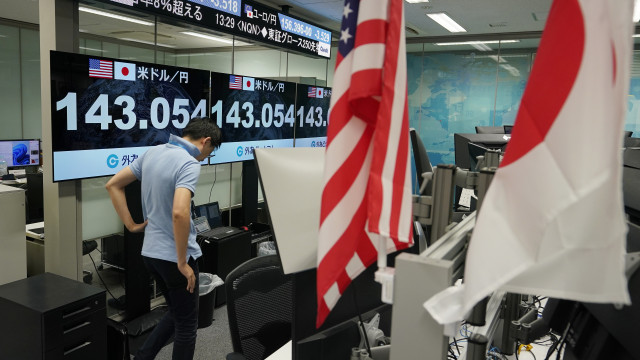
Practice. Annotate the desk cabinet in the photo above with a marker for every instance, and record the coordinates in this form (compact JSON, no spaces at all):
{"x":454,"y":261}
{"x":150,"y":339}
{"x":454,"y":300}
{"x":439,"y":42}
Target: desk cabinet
{"x":221,"y":256}
{"x":50,"y":317}
{"x":13,"y":253}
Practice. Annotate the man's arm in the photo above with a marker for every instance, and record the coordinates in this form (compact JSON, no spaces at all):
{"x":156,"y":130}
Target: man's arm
{"x":181,"y":216}
{"x":115,"y":186}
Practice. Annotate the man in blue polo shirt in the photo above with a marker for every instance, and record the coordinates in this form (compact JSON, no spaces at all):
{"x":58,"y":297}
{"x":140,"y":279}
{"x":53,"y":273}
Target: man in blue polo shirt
{"x":169,"y":174}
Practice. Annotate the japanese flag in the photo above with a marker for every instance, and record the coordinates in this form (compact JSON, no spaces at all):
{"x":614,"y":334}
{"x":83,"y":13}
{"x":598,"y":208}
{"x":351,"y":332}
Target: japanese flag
{"x":124,"y":71}
{"x":319,"y":93}
{"x":551,"y":223}
{"x":247,"y":83}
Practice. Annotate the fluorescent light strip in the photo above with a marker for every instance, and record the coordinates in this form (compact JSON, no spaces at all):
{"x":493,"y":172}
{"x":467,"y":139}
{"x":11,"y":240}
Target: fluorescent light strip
{"x":512,"y":70}
{"x":114,"y":16}
{"x":417,"y":1}
{"x":92,"y":49}
{"x":147,"y":42}
{"x":481,"y":47}
{"x":635,"y":35}
{"x":477,"y":42}
{"x":446,"y":22}
{"x":208,"y":37}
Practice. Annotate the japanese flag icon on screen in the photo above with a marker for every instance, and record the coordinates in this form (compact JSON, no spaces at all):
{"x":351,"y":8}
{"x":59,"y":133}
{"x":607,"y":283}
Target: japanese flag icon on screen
{"x":319,"y":93}
{"x":124,"y":71}
{"x":247,"y":83}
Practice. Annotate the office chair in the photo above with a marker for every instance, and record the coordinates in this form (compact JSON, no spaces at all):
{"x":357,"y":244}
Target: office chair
{"x":260,"y":308}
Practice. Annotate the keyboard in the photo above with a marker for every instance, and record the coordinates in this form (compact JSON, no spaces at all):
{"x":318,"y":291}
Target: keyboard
{"x":219,"y":232}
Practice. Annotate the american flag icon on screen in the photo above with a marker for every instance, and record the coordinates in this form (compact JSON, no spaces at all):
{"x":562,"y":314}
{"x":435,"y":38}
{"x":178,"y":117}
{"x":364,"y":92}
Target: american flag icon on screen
{"x":101,"y":69}
{"x":311,"y":92}
{"x":235,"y":82}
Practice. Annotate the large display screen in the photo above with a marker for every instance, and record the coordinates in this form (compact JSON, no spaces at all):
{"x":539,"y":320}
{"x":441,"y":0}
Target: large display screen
{"x":106,"y":112}
{"x":246,"y":18}
{"x":252,"y":113}
{"x":312,"y":115}
{"x":20,"y":152}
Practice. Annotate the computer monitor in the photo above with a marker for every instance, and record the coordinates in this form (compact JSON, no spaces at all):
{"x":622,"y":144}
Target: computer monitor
{"x":489,"y":141}
{"x":463,"y":156}
{"x":490,"y":130}
{"x":339,"y":332}
{"x":476,"y":150}
{"x":420,"y":156}
{"x":18,"y":153}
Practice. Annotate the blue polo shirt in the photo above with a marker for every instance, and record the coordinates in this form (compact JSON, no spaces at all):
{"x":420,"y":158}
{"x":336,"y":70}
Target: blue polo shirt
{"x":162,"y":169}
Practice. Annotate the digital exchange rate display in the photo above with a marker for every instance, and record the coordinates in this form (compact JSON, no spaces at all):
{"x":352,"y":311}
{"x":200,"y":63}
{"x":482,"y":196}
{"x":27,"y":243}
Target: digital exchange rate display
{"x":105,"y":113}
{"x":252,"y":113}
{"x":312,"y":115}
{"x":245,"y":18}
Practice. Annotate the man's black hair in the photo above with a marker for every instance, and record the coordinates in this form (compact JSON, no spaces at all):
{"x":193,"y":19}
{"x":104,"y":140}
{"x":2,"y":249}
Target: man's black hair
{"x":200,"y":127}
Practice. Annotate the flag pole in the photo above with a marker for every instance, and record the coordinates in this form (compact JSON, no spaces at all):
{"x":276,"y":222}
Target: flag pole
{"x":382,"y":253}
{"x":384,"y":275}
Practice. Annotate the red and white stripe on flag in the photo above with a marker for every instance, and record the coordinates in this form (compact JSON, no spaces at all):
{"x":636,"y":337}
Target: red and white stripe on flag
{"x":552,"y":222}
{"x":367,"y":184}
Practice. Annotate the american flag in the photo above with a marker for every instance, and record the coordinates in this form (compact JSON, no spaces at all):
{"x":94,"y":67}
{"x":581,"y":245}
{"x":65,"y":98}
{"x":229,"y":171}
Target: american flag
{"x":311,"y":92}
{"x":367,"y":185}
{"x":235,"y":82}
{"x":100,"y":68}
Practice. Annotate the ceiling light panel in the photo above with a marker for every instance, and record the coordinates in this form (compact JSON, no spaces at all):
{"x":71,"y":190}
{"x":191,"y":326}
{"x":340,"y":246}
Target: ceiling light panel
{"x":477,"y":42}
{"x":114,"y":16}
{"x":446,"y":22}
{"x":481,"y":47}
{"x":147,"y":42}
{"x":208,"y":37}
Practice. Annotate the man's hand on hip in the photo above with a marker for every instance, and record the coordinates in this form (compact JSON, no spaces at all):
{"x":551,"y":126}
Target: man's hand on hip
{"x":187,"y":271}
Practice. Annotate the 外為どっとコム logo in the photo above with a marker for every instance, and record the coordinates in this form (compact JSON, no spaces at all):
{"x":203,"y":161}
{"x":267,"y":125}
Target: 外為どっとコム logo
{"x":112,"y":161}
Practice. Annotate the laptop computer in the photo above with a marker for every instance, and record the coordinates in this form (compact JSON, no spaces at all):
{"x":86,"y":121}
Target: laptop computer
{"x":207,"y":222}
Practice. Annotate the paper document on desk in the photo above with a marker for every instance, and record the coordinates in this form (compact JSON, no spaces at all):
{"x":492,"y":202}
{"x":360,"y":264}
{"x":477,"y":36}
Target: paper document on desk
{"x":552,"y":222}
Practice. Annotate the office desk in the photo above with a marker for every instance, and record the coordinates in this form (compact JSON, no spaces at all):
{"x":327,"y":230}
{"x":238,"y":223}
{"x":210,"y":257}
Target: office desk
{"x":16,"y":182}
{"x":284,"y":353}
{"x":35,"y":231}
{"x":13,"y":256}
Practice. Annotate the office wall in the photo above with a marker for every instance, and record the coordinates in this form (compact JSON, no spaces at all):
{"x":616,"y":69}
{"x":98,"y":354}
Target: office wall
{"x":11,"y":85}
{"x":452,"y":91}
